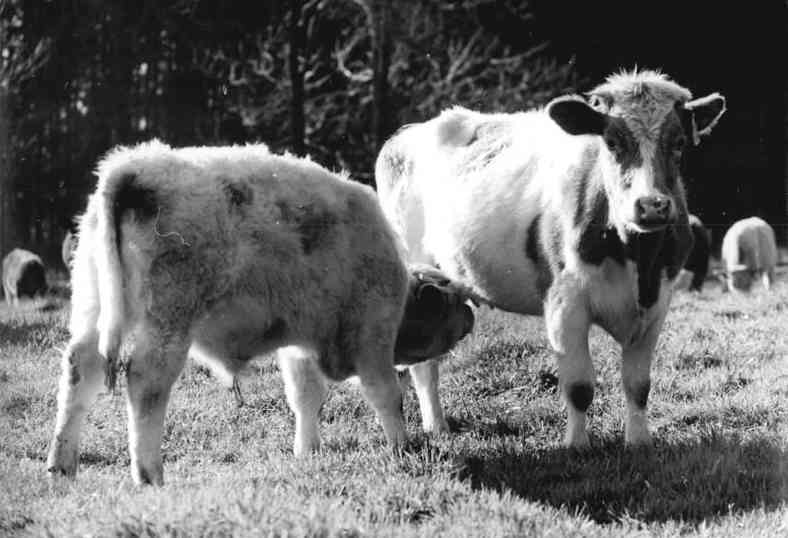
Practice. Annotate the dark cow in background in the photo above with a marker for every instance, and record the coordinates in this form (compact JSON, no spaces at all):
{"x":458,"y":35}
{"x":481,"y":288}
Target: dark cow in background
{"x":749,"y":251}
{"x":696,"y":268}
{"x":575,"y":211}
{"x":23,"y":276}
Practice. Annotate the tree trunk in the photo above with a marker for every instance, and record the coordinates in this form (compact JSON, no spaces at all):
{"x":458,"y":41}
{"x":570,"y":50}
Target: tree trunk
{"x":381,"y":60}
{"x":297,"y":45}
{"x":7,"y":218}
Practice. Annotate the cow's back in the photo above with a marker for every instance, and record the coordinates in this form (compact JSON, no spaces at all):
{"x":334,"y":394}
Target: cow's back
{"x":464,"y":190}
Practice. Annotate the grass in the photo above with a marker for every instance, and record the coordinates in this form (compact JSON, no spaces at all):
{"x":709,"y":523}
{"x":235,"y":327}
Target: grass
{"x":719,"y":466}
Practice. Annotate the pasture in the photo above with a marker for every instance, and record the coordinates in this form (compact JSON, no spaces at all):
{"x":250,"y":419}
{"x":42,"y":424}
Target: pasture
{"x":719,"y":465}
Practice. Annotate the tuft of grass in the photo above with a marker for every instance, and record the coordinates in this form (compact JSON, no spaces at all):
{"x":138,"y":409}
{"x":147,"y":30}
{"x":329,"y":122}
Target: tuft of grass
{"x":719,"y":465}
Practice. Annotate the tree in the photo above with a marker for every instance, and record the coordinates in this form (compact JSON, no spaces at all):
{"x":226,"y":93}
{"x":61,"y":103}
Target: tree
{"x":18,"y":62}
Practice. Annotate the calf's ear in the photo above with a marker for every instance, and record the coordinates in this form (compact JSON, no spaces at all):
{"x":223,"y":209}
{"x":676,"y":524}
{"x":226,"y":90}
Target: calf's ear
{"x":704,"y":114}
{"x":576,"y":117}
{"x":430,"y":301}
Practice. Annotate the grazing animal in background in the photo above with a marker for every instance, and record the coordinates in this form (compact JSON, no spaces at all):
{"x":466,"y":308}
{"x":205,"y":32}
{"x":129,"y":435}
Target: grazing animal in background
{"x":23,"y":276}
{"x":749,"y":250}
{"x":697,"y":265}
{"x":68,"y":248}
{"x":234,"y":252}
{"x":575,"y":211}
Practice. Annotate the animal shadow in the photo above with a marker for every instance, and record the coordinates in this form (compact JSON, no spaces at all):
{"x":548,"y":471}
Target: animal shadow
{"x":672,"y":481}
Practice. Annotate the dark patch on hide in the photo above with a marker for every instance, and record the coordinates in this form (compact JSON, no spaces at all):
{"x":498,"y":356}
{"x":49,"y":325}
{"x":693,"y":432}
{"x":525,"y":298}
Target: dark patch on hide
{"x":536,"y":253}
{"x":581,"y":395}
{"x":238,"y":194}
{"x":698,"y":259}
{"x":32,"y":279}
{"x":314,"y":225}
{"x":135,"y":200}
{"x":73,"y":369}
{"x":639,"y":394}
{"x":598,"y":239}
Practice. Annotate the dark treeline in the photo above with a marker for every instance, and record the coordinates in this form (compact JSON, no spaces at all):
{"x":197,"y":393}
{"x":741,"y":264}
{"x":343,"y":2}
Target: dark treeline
{"x":328,"y":78}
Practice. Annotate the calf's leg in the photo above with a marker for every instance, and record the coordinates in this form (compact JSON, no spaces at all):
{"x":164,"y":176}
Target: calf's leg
{"x":154,"y":365}
{"x":81,"y":380}
{"x":568,"y":324}
{"x":424,"y":377}
{"x":305,"y":389}
{"x":380,"y":386}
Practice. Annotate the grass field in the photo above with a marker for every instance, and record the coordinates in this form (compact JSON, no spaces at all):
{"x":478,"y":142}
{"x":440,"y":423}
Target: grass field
{"x":719,"y":466}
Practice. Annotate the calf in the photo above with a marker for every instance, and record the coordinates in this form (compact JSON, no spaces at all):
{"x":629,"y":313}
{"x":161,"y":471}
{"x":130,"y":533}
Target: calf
{"x":697,"y":265}
{"x":23,"y":275}
{"x":234,"y":252}
{"x":749,"y":250}
{"x":575,"y":212}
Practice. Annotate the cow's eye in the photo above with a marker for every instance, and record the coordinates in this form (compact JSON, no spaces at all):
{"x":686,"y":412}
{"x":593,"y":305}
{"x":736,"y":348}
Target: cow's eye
{"x":615,"y":145}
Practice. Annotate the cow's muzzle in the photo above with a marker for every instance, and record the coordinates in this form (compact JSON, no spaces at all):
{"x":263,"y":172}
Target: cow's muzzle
{"x":653,"y":212}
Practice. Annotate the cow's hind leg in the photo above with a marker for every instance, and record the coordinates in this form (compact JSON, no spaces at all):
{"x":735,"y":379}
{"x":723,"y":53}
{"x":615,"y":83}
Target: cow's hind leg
{"x":424,"y":377}
{"x":568,"y":325}
{"x":81,"y":380}
{"x":636,"y":377}
{"x":154,"y":365}
{"x":305,"y":389}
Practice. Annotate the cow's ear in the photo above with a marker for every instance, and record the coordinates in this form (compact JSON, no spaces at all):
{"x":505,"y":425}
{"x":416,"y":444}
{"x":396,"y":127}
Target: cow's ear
{"x":430,"y":300}
{"x":576,"y":117}
{"x":704,"y":114}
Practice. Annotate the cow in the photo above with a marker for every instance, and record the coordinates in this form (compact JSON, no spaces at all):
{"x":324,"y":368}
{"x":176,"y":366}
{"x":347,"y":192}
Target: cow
{"x":68,"y":248}
{"x":233,"y":252}
{"x":696,"y":268}
{"x":23,"y":276}
{"x":575,"y":211}
{"x":749,"y":250}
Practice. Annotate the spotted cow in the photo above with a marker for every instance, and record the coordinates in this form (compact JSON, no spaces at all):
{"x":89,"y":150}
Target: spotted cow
{"x":23,"y":276}
{"x":749,"y":251}
{"x":575,"y":211}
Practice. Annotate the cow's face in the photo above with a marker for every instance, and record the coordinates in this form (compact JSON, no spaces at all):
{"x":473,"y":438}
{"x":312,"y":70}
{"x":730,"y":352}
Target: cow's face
{"x":642,"y":145}
{"x":436,"y":318}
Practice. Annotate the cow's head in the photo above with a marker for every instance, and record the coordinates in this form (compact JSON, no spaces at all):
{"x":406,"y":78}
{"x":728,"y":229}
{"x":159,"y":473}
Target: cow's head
{"x":644,"y":121}
{"x":436,"y":316}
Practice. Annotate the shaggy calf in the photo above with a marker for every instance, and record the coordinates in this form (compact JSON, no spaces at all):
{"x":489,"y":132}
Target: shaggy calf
{"x":575,"y":211}
{"x":749,"y":250}
{"x":23,"y":275}
{"x":234,"y":252}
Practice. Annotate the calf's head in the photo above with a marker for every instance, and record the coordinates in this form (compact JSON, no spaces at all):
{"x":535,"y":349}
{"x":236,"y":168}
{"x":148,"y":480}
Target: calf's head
{"x":644,"y":121}
{"x":436,"y":317}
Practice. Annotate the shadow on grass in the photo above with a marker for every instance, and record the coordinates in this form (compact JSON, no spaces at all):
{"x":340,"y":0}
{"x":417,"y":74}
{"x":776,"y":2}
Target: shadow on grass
{"x":686,"y":481}
{"x":39,"y":333}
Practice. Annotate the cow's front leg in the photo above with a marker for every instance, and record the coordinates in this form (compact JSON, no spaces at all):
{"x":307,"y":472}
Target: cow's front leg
{"x":424,"y":377}
{"x":305,"y":390}
{"x":636,"y":377}
{"x":568,"y":322}
{"x":154,"y":365}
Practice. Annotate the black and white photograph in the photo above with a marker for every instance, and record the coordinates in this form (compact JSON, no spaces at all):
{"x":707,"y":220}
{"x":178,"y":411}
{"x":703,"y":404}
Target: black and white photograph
{"x":407,"y":268}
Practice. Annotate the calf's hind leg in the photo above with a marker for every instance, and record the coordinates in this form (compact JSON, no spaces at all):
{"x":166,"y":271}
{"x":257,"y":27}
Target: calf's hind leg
{"x":81,"y":380}
{"x":154,"y":365}
{"x":305,"y":389}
